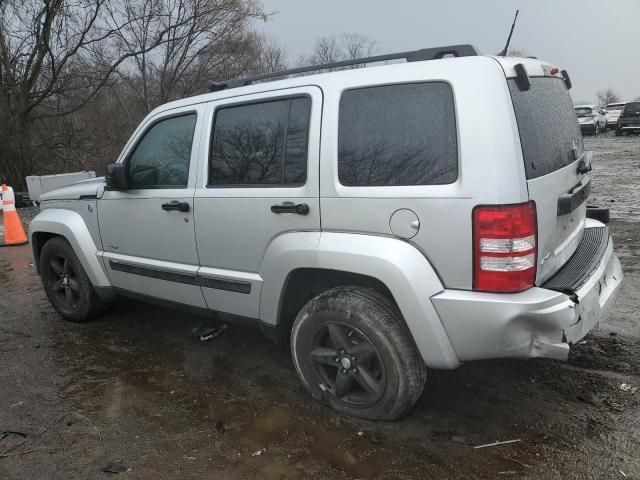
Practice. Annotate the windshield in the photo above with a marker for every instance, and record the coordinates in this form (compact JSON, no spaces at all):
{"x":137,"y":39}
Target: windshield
{"x":583,"y":111}
{"x":632,"y":109}
{"x":547,"y":123}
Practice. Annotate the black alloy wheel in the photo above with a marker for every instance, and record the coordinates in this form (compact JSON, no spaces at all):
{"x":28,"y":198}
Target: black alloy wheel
{"x":63,"y":282}
{"x":348,"y":364}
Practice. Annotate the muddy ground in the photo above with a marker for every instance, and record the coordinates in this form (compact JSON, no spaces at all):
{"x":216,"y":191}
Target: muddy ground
{"x":136,"y":390}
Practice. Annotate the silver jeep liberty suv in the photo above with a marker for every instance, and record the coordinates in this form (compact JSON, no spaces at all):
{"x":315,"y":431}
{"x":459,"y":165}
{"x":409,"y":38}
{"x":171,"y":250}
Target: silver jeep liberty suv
{"x":388,"y":218}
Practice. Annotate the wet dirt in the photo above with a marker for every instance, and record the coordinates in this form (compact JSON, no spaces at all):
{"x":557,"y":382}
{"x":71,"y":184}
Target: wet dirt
{"x":137,"y":389}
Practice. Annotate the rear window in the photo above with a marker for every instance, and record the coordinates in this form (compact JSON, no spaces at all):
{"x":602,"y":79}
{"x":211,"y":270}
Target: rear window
{"x":614,"y":106}
{"x":582,"y":111}
{"x":397,"y":135}
{"x":632,"y":109}
{"x":548,"y":128}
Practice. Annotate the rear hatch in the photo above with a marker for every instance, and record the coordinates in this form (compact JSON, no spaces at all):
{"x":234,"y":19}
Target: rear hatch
{"x":552,"y":148}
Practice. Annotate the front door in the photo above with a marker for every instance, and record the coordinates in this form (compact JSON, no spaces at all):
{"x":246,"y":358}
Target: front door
{"x":260,"y":181}
{"x":148,"y":230}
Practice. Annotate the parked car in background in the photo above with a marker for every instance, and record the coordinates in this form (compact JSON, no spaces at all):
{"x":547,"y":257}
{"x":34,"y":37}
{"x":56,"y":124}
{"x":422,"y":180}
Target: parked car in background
{"x":629,"y":120}
{"x":612,"y":112}
{"x":591,"y":119}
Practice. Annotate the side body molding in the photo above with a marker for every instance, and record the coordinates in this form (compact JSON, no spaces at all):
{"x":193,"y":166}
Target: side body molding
{"x":401,"y":267}
{"x":71,"y":226}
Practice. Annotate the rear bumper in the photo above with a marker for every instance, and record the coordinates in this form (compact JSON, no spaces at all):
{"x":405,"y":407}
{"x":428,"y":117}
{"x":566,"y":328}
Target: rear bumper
{"x":536,"y":323}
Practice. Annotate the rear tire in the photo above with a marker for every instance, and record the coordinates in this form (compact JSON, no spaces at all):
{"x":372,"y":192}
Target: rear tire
{"x":66,"y":283}
{"x":354,"y":353}
{"x":618,"y":132}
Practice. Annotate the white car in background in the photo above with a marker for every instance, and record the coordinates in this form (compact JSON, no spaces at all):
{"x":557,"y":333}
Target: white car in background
{"x":591,"y":119}
{"x":613,"y":111}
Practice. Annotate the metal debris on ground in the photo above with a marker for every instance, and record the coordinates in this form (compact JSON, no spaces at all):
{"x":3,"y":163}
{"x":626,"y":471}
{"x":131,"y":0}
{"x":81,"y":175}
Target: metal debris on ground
{"x":207,"y":332}
{"x":495,"y":444}
{"x":625,"y":387}
{"x":115,"y":467}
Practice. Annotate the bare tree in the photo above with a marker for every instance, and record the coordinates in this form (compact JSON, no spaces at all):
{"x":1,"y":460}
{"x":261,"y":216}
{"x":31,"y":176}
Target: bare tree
{"x":351,"y":46}
{"x":357,"y":46}
{"x":607,"y":96}
{"x":327,"y":50}
{"x":56,"y":56}
{"x":202,"y":35}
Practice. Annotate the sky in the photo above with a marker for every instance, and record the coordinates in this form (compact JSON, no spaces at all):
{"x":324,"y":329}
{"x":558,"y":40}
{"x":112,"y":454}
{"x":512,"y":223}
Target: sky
{"x":596,"y":41}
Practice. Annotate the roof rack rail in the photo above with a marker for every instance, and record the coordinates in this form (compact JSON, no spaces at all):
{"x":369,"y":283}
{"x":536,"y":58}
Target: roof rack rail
{"x":412,"y":56}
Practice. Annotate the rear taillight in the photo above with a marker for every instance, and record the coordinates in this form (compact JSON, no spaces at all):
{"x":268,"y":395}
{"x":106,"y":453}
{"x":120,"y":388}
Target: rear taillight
{"x":504,"y":247}
{"x":622,"y":111}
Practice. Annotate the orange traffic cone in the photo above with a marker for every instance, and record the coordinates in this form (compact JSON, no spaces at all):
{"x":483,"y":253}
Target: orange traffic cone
{"x":13,"y":231}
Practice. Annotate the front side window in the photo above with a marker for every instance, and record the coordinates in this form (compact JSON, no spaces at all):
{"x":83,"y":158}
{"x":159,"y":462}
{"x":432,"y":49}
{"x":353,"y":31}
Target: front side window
{"x":261,"y":143}
{"x":397,"y":135}
{"x":161,"y":159}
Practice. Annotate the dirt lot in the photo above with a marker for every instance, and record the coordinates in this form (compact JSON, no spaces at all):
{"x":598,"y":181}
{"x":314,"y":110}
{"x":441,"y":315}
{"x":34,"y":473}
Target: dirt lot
{"x":136,"y":388}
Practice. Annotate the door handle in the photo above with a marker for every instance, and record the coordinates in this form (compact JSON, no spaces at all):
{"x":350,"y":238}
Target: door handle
{"x":176,"y":205}
{"x":290,"y":207}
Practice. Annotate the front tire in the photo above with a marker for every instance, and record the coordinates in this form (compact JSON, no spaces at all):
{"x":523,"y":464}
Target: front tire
{"x":354,"y":353}
{"x":66,"y":283}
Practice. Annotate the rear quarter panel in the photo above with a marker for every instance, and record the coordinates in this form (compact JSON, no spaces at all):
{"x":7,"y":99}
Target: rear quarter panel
{"x":490,"y":164}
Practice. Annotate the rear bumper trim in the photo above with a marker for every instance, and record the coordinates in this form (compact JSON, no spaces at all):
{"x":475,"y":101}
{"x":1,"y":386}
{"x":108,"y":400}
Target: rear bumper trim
{"x":582,"y":263}
{"x":535,"y":323}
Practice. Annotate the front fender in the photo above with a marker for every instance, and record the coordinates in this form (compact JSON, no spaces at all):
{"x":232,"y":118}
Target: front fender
{"x":397,"y":264}
{"x":72,"y":227}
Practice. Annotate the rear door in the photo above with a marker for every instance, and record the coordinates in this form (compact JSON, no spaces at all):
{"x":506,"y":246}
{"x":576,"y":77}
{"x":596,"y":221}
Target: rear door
{"x":552,"y":148}
{"x":260,"y":181}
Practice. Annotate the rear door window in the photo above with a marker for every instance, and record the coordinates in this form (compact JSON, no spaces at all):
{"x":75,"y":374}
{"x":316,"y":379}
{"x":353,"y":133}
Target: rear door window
{"x":549,"y":132}
{"x":261,"y":143}
{"x":396,"y":135}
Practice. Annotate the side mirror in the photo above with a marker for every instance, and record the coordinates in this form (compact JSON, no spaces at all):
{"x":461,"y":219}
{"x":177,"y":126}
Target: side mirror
{"x":116,"y":177}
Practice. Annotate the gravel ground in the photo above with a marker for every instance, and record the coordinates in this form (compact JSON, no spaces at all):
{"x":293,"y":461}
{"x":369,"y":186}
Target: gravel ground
{"x":136,"y":390}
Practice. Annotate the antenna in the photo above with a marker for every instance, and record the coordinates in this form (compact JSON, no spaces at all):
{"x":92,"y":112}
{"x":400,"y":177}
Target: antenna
{"x":503,"y":53}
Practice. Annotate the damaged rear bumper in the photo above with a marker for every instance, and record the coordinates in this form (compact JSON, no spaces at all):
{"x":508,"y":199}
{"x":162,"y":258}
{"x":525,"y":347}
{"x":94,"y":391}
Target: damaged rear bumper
{"x":538,"y":322}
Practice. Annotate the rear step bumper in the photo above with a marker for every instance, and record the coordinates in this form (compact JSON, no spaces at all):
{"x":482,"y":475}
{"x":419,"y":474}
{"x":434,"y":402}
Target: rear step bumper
{"x":539,"y":322}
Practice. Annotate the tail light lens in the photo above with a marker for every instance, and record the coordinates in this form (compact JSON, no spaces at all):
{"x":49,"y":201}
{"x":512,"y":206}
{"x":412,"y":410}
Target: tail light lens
{"x":504,"y":247}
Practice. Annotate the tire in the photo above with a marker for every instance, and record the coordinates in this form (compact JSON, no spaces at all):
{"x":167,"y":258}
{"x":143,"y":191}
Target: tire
{"x":598,"y":213}
{"x":618,"y":132}
{"x":66,"y":283}
{"x":596,"y":129}
{"x":358,"y":331}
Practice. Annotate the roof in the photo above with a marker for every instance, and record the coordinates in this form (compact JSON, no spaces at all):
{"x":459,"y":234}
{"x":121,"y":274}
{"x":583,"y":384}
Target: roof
{"x":466,"y":55}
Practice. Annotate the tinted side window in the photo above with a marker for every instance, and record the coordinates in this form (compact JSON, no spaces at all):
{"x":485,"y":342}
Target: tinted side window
{"x":398,"y":135}
{"x":547,"y":123}
{"x":261,"y":143}
{"x":632,"y":109}
{"x":161,"y":159}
